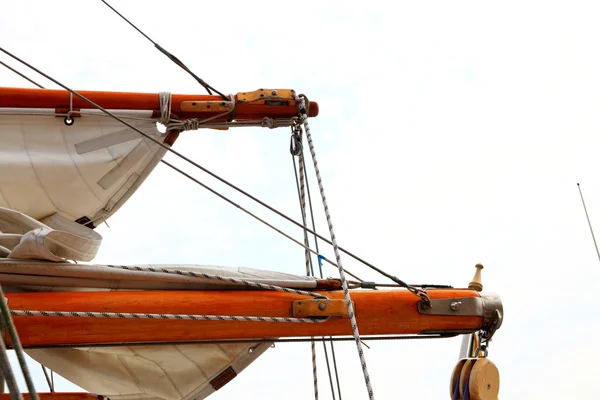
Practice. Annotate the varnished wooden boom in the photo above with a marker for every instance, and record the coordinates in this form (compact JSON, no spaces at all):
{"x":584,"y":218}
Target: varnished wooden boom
{"x":377,"y":313}
{"x":60,"y":100}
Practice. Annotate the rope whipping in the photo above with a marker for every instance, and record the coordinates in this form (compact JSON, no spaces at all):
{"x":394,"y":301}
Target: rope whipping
{"x":349,"y":305}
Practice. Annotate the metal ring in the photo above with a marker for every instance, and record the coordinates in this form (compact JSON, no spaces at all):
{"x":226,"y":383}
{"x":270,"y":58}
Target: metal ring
{"x":69,"y":120}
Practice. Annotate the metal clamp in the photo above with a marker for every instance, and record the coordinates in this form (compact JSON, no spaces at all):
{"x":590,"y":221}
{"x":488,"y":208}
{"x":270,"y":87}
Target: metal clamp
{"x":488,"y":306}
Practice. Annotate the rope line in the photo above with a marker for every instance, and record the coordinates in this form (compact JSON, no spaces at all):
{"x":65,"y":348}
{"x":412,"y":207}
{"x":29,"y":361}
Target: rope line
{"x":244,"y":210}
{"x":17,"y":346}
{"x":349,"y":305}
{"x":21,"y":75}
{"x":169,"y":55}
{"x":308,"y":258}
{"x":191,"y":317}
{"x":335,"y":368}
{"x":267,"y":340}
{"x":220,"y":278}
{"x":296,"y":149}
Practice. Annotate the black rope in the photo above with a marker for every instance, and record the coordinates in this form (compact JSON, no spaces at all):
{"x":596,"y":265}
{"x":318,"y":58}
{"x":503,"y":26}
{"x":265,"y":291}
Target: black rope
{"x":22,"y":75}
{"x":240,"y":341}
{"x":171,"y":57}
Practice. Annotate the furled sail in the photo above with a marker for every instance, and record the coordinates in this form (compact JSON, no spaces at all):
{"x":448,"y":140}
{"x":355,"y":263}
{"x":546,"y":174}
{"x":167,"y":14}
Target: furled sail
{"x":31,"y":260}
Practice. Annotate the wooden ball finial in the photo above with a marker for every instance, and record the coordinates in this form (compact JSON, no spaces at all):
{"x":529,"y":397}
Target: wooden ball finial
{"x":476,"y":282}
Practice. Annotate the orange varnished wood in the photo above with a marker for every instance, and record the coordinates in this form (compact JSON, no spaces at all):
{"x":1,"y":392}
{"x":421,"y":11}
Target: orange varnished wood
{"x":59,"y":99}
{"x":377,"y":312}
{"x":56,"y":396}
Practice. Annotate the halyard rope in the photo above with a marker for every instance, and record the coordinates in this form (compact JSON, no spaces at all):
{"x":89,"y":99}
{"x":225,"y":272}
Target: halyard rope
{"x":304,"y":120}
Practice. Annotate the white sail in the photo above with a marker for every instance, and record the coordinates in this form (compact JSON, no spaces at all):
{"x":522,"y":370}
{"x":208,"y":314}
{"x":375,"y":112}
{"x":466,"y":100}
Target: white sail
{"x":83,"y":172}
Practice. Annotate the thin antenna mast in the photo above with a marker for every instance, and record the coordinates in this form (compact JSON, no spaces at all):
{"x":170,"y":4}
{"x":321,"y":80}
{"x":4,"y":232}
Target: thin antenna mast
{"x":588,"y":220}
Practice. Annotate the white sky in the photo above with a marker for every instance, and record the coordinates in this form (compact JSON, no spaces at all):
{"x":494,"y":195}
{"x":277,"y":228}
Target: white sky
{"x":450,"y":133}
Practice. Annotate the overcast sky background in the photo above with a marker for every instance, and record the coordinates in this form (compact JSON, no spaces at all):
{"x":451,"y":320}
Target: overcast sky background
{"x":450,"y":133}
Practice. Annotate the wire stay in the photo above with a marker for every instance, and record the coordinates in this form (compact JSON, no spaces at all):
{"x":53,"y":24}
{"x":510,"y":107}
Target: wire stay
{"x":588,"y":220}
{"x":171,"y":57}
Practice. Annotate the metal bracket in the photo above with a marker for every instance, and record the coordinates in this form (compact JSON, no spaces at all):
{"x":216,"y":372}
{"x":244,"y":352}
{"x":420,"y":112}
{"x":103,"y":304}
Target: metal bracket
{"x":320,"y":308}
{"x":463,"y":306}
{"x":488,"y":306}
{"x":270,"y":97}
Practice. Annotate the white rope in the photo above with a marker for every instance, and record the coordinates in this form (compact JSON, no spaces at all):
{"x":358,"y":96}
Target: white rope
{"x":304,"y":119}
{"x":165,"y":107}
{"x":246,"y":282}
{"x":192,"y":317}
{"x":192,"y":124}
{"x":308,"y":265}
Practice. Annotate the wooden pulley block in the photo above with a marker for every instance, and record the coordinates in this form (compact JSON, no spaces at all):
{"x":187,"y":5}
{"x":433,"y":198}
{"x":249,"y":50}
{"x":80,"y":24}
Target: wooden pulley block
{"x":464,"y":375}
{"x":459,"y":378}
{"x":484,"y":380}
{"x":455,"y":376}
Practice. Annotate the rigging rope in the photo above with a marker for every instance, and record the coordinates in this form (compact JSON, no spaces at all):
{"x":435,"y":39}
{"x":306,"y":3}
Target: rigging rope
{"x":296,"y":150}
{"x":335,"y":368}
{"x":202,"y":275}
{"x":415,"y":291}
{"x":16,"y":344}
{"x":169,"y":55}
{"x":191,"y":162}
{"x":349,"y":305}
{"x":212,"y":174}
{"x":21,"y":75}
{"x":192,"y":317}
{"x":274,"y":340}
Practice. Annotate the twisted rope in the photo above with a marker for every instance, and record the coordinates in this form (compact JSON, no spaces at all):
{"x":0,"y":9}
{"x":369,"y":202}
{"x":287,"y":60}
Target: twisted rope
{"x":355,"y":333}
{"x":265,"y":286}
{"x":192,"y":317}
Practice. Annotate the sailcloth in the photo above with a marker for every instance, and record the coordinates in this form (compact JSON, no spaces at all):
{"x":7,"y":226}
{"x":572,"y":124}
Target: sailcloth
{"x":83,"y":172}
{"x":36,"y":259}
{"x":57,"y":180}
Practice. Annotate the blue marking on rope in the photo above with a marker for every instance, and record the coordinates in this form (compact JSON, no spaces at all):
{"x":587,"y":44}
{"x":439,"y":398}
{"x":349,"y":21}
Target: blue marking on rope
{"x":320,"y":258}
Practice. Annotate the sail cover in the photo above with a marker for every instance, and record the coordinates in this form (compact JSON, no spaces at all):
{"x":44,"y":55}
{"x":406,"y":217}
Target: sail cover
{"x":83,"y":172}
